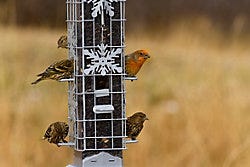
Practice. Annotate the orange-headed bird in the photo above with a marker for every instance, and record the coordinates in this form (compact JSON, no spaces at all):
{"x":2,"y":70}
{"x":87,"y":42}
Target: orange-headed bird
{"x":134,"y":62}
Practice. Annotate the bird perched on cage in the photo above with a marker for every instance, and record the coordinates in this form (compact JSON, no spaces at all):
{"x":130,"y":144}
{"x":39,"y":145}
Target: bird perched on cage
{"x":56,"y":132}
{"x":134,"y":62}
{"x":62,"y":42}
{"x":59,"y":70}
{"x":134,"y":124}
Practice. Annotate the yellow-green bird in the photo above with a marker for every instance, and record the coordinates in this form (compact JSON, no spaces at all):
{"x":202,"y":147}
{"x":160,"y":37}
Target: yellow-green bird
{"x":134,"y":124}
{"x":56,"y":132}
{"x":59,"y":70}
{"x":62,"y":42}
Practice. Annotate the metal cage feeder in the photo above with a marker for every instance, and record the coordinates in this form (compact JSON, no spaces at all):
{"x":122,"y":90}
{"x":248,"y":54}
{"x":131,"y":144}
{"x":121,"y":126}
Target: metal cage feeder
{"x":97,"y":113}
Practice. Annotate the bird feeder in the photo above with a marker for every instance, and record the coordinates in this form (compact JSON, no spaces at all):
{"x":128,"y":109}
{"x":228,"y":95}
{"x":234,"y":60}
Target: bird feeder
{"x":97,"y":116}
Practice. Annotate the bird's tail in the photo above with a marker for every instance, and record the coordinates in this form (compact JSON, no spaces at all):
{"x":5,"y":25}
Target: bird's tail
{"x":38,"y":80}
{"x":41,"y":74}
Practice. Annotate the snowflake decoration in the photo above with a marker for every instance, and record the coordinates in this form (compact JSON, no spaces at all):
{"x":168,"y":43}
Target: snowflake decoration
{"x":100,"y":5}
{"x":102,"y":60}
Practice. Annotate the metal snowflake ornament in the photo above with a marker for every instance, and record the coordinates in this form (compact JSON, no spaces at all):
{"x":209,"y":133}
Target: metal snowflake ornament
{"x":102,"y":60}
{"x":100,"y":5}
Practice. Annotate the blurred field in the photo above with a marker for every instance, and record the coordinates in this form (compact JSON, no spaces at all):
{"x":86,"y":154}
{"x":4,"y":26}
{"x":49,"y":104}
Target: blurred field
{"x":195,"y":90}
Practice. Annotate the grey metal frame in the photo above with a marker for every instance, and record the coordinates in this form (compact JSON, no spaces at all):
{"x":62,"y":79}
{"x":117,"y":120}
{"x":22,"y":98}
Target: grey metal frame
{"x":74,"y":10}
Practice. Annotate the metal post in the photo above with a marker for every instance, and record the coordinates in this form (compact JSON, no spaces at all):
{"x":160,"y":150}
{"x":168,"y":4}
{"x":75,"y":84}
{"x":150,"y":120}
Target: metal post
{"x":97,"y":116}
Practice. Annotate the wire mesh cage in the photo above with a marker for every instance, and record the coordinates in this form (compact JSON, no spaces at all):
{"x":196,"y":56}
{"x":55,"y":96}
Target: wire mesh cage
{"x":97,"y":119}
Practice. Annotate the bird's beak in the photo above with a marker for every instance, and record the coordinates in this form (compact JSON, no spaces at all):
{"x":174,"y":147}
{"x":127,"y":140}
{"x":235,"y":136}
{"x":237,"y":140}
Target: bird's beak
{"x":146,"y":119}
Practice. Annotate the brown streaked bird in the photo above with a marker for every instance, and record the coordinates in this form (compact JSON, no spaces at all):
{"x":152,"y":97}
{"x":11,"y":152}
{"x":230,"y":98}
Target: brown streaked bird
{"x":134,"y":62}
{"x":56,"y":132}
{"x":63,"y":42}
{"x":59,"y":70}
{"x":134,"y":124}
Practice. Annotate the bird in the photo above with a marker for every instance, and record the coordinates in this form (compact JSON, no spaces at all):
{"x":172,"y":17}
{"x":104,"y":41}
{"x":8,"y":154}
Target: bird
{"x":134,"y":62}
{"x":56,"y":132}
{"x":134,"y":124}
{"x":62,"y":69}
{"x":62,"y":42}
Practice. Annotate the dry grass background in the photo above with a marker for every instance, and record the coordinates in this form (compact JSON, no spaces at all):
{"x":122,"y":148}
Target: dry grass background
{"x":195,"y":91}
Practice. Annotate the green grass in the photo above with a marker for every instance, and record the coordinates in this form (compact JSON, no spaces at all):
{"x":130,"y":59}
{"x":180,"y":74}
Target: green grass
{"x":194,"y":89}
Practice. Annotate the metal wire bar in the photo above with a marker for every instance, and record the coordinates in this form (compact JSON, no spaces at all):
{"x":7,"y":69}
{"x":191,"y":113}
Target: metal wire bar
{"x":114,"y":119}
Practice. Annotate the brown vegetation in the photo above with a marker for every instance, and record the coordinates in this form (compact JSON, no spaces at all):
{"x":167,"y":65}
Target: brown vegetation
{"x":194,"y":90}
{"x":149,"y":13}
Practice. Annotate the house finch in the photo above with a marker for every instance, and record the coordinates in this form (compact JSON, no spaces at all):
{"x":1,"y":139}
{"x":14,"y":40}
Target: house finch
{"x":56,"y":132}
{"x":134,"y":124}
{"x":62,"y":42}
{"x":59,"y":70}
{"x":134,"y":62}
